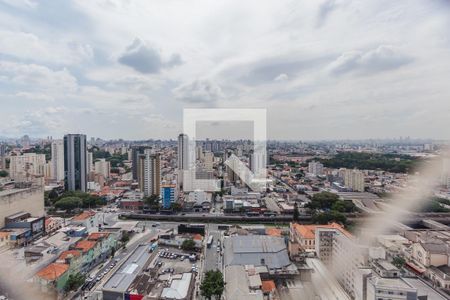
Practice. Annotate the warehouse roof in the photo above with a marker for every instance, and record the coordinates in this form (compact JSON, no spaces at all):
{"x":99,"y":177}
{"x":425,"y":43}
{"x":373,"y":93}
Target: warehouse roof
{"x":179,"y":287}
{"x":124,"y":276}
{"x":256,"y":250}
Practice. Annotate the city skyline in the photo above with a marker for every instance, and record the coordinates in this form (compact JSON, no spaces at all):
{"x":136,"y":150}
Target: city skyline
{"x":326,"y":70}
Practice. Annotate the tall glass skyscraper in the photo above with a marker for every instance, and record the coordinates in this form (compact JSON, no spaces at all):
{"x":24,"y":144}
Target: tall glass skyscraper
{"x":75,"y":162}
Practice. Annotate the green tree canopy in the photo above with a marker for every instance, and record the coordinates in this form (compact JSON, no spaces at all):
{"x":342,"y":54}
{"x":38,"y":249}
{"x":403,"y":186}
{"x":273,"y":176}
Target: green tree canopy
{"x":88,"y":200}
{"x":152,"y":201}
{"x":212,"y":285}
{"x":343,"y":206}
{"x":74,"y":281}
{"x":328,"y":217}
{"x":323,"y":200}
{"x":396,"y":163}
{"x":398,"y":261}
{"x":3,"y":173}
{"x":188,"y":245}
{"x":68,"y":203}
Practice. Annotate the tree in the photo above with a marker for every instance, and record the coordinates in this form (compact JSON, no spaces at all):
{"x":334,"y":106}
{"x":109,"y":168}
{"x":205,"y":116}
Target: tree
{"x":323,"y":200}
{"x":398,"y":261}
{"x":53,"y":195}
{"x":68,"y":203}
{"x":125,"y":237}
{"x":212,"y":285}
{"x":152,"y":202}
{"x":328,"y":217}
{"x":343,"y":206}
{"x":188,"y":245}
{"x":296,"y":216}
{"x":176,"y":206}
{"x":74,"y":281}
{"x":3,"y":173}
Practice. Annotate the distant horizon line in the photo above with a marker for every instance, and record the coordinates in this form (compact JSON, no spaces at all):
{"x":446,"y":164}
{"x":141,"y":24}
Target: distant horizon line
{"x":369,"y":139}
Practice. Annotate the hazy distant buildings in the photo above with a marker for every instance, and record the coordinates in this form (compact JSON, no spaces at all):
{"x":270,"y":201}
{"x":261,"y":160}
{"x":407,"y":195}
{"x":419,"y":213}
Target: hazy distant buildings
{"x":103,"y":167}
{"x":57,"y":164}
{"x":354,"y":179}
{"x":2,"y":156}
{"x":315,"y":168}
{"x":75,"y":162}
{"x":208,"y":160}
{"x":90,"y":162}
{"x":445,"y":175}
{"x":25,"y":142}
{"x":258,"y":162}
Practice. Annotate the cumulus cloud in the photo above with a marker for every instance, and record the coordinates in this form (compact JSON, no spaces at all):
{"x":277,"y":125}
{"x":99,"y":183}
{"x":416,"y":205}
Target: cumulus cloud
{"x":36,"y":77}
{"x":147,"y":59}
{"x":324,"y":10}
{"x":37,"y":122}
{"x":198,"y":91}
{"x":281,"y":77}
{"x":384,"y":57}
{"x":30,"y":47}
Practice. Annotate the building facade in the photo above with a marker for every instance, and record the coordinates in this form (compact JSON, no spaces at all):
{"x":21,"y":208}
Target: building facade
{"x":75,"y":163}
{"x":149,"y":173}
{"x":57,"y":165}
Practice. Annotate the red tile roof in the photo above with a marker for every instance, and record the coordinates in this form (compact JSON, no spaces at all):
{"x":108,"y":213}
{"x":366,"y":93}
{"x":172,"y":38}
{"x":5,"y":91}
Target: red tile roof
{"x":69,"y":253}
{"x":85,"y":246}
{"x":268,"y":286}
{"x":53,"y":271}
{"x":84,"y":215}
{"x":197,"y":237}
{"x":308,"y":231}
{"x":273,"y":231}
{"x":95,"y":236}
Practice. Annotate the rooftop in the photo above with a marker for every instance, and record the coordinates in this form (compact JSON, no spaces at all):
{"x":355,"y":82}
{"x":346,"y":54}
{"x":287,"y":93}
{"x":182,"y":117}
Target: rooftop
{"x":237,"y":285}
{"x":273,"y":231}
{"x":424,"y":289}
{"x":84,"y":215}
{"x":268,"y":286}
{"x":69,"y":253}
{"x":178,"y":288}
{"x":95,"y":236}
{"x":256,"y":250}
{"x":308,"y":231}
{"x":85,"y":246}
{"x":52,"y":271}
{"x":124,"y":276}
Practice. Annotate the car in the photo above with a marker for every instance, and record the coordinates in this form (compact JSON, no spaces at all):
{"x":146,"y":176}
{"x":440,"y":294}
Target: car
{"x":182,"y":257}
{"x":218,"y":249}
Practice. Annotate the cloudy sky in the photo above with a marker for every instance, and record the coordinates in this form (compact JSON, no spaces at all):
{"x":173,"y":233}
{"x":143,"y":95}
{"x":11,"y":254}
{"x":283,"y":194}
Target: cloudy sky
{"x":324,"y":69}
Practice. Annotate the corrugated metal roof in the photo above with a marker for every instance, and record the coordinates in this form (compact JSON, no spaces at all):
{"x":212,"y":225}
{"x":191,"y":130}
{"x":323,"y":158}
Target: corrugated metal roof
{"x":256,"y":250}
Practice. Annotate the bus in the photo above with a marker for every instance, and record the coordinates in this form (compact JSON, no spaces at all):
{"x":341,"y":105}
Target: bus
{"x":153,"y":247}
{"x":210,"y":241}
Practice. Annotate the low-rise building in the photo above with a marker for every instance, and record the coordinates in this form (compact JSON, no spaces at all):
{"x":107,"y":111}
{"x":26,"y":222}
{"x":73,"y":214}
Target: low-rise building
{"x":86,"y":219}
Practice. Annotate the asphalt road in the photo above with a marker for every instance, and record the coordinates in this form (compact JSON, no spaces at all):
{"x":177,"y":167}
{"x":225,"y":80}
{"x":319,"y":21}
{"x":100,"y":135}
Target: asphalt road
{"x":212,"y":256}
